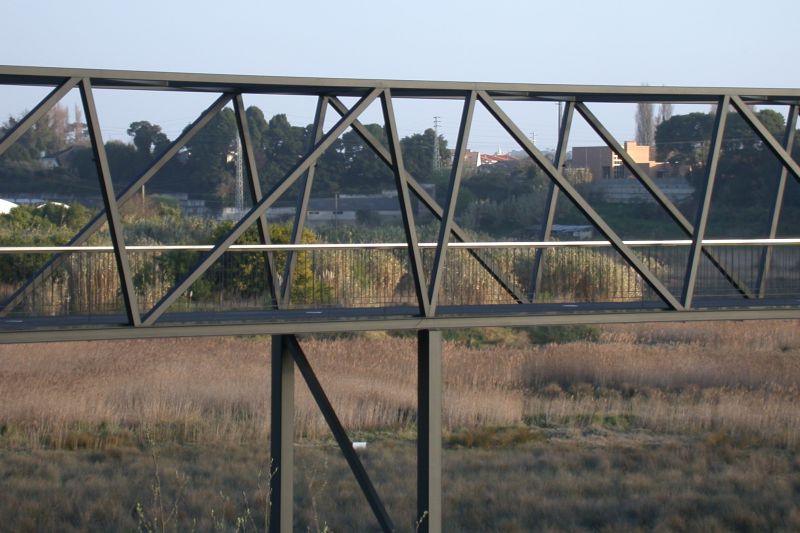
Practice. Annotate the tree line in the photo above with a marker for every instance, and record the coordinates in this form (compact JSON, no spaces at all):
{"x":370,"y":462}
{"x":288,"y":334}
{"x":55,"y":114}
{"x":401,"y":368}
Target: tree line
{"x":205,"y":168}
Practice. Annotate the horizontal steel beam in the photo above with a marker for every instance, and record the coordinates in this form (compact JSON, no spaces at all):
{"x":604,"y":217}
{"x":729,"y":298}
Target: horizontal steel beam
{"x":167,"y":81}
{"x":392,"y":324}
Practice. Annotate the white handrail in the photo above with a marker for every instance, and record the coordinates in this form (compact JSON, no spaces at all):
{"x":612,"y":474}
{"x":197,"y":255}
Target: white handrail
{"x":392,"y":246}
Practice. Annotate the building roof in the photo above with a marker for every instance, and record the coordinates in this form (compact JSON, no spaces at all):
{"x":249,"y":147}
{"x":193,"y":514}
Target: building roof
{"x":6,"y":206}
{"x":487,"y":159}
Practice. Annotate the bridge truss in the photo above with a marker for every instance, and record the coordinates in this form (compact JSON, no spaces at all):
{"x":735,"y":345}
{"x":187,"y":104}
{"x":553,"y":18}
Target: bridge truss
{"x":428,"y":307}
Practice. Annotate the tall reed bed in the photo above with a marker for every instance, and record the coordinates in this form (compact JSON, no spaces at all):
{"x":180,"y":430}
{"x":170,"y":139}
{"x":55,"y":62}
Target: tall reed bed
{"x":737,"y":379}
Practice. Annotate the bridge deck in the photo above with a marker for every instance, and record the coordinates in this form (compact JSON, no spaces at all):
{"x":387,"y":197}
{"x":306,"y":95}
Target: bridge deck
{"x":114,"y":326}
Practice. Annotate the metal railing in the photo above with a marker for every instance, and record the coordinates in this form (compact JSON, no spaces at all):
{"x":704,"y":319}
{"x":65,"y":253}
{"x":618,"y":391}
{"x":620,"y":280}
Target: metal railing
{"x":378,"y":275}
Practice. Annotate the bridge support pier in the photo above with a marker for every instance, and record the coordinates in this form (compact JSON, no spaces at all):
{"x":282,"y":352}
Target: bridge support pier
{"x":429,"y":431}
{"x":281,"y":510}
{"x":286,"y":354}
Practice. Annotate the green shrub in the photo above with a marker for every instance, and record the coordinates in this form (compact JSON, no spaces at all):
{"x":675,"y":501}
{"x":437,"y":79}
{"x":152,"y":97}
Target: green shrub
{"x":562,"y":334}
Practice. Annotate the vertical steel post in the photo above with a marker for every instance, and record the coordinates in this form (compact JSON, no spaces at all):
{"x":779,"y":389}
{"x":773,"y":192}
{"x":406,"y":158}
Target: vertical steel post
{"x":429,"y":427}
{"x":777,"y":204}
{"x":445,"y":227}
{"x":113,"y":217}
{"x":401,"y":181}
{"x":690,"y":280}
{"x":255,"y":192}
{"x":301,"y":210}
{"x":282,"y":438}
{"x":552,"y":197}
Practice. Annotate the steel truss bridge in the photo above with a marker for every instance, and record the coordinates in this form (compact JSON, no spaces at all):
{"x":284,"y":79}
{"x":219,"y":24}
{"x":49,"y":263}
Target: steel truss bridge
{"x":659,"y":280}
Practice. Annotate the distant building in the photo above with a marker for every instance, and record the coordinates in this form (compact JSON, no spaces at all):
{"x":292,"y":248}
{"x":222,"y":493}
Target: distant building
{"x":474,"y":160}
{"x":607,"y":177}
{"x":604,"y":164}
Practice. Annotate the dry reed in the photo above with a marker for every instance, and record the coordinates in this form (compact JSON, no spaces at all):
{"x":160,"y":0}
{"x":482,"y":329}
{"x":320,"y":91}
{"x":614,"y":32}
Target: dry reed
{"x":737,"y":379}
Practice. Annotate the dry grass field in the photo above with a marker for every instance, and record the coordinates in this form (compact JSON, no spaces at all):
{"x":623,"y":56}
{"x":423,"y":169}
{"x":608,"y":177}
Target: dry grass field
{"x":667,"y":427}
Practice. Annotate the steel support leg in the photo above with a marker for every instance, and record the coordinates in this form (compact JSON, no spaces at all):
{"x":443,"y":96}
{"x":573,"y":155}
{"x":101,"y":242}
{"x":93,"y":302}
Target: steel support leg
{"x":282,"y":438}
{"x":429,"y":437}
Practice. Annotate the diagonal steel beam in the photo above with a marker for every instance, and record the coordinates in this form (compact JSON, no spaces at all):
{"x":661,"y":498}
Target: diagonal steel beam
{"x":695,"y":252}
{"x":110,"y":202}
{"x":255,"y":191}
{"x":260,"y":208}
{"x":410,"y":228}
{"x":41,"y":109}
{"x":579,"y":201}
{"x":382,"y":152}
{"x":780,"y":152}
{"x":301,"y":210}
{"x":658,"y":194}
{"x":552,"y":197}
{"x":339,"y":433}
{"x":777,"y":204}
{"x":674,"y":213}
{"x":99,"y":219}
{"x":445,"y":228}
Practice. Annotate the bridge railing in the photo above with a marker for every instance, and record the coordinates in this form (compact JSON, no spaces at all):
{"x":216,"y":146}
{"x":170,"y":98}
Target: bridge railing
{"x":349,"y":276}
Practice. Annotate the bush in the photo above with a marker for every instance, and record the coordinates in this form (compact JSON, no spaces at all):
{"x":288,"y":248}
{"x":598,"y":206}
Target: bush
{"x":562,"y":334}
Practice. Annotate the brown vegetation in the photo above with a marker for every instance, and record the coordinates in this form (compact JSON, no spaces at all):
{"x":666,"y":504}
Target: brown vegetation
{"x":740,"y":378}
{"x":669,"y":427}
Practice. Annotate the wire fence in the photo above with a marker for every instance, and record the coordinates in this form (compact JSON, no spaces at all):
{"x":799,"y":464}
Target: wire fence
{"x":86,"y":282}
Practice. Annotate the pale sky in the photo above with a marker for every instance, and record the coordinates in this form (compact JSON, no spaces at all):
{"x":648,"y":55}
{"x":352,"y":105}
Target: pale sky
{"x":615,"y":42}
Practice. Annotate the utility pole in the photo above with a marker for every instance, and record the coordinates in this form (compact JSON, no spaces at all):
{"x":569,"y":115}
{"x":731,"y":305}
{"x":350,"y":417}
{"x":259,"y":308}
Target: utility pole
{"x":437,"y":163}
{"x":239,"y":205}
{"x":559,"y":115}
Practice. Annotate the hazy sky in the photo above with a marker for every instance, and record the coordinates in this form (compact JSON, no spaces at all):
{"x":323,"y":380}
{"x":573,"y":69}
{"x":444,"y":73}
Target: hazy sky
{"x":680,"y":42}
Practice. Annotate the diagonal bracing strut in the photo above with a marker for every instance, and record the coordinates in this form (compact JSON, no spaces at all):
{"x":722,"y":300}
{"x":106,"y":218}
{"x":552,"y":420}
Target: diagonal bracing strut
{"x":382,"y":152}
{"x":259,"y":209}
{"x":661,"y":198}
{"x":579,"y":201}
{"x":94,"y":225}
{"x":340,"y":435}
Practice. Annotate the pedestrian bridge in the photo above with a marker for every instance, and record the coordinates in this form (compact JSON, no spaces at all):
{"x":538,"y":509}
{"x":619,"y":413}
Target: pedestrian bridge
{"x":96,"y":285}
{"x":118,"y":289}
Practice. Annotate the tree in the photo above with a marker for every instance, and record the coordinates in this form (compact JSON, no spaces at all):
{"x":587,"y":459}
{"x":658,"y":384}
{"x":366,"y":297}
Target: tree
{"x":147,"y":138}
{"x":364,"y":172}
{"x":283,"y":145}
{"x":417,"y":150}
{"x":207,"y":168}
{"x":682,"y":140}
{"x":58,"y":123}
{"x":645,"y":124}
{"x":747,"y":170}
{"x":122,"y":163}
{"x":664,"y":112}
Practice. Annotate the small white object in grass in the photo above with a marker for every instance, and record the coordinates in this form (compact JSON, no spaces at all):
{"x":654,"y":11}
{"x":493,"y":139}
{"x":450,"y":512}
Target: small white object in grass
{"x":359,"y":445}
